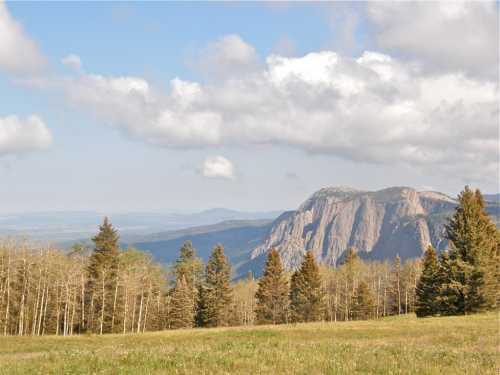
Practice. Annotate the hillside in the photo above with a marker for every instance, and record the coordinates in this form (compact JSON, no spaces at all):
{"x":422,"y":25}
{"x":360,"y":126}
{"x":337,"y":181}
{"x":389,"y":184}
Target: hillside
{"x":239,"y":237}
{"x":379,"y":224}
{"x":396,"y":345}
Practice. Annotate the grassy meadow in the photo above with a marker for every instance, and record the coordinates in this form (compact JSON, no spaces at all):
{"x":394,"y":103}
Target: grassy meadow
{"x":396,"y":345}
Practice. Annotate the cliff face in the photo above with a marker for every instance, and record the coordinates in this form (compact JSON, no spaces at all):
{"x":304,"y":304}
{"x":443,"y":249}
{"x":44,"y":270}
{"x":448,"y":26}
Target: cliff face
{"x":378,"y":224}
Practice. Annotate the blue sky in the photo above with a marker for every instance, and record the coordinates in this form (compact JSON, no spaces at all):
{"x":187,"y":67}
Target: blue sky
{"x":252,"y":106}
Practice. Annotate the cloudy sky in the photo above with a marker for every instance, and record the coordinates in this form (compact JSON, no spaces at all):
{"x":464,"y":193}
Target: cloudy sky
{"x":252,"y":106}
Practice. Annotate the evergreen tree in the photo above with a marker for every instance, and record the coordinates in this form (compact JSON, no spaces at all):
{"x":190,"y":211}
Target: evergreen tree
{"x":306,"y":296}
{"x":363,"y":304}
{"x":102,"y":277}
{"x":472,"y":281}
{"x":428,"y":287}
{"x":215,"y":293}
{"x":272,"y":295}
{"x":189,"y":266}
{"x":182,"y":305}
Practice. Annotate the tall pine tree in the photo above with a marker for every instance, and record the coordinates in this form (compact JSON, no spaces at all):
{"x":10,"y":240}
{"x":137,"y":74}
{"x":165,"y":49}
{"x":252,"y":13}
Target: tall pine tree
{"x":428,"y":286}
{"x":215,"y":295}
{"x":306,"y":295}
{"x":188,"y":271}
{"x":102,"y":278}
{"x":272,"y":295}
{"x":472,"y":281}
{"x":182,"y":306}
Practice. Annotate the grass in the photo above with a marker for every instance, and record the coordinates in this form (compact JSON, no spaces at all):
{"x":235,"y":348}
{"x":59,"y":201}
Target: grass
{"x":398,"y":345}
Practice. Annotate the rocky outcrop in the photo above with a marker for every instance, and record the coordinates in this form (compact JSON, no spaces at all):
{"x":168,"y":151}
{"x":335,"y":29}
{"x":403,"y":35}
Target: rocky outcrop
{"x":378,"y":224}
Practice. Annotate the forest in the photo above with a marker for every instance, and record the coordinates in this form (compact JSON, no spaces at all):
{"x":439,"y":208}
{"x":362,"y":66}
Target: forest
{"x":105,"y":289}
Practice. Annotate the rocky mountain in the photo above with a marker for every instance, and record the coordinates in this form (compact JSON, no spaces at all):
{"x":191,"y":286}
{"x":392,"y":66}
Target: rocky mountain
{"x":378,"y":224}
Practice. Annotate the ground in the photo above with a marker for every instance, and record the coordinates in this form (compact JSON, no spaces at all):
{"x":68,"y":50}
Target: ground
{"x":397,"y":345}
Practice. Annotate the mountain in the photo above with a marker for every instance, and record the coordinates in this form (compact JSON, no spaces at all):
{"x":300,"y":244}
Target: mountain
{"x":238,"y":237}
{"x":379,"y":224}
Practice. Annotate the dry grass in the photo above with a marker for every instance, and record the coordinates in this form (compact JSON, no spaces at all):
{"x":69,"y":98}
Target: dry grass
{"x":400,"y":345}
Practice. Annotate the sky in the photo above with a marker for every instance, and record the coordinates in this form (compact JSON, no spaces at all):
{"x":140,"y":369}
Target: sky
{"x":120,"y":107}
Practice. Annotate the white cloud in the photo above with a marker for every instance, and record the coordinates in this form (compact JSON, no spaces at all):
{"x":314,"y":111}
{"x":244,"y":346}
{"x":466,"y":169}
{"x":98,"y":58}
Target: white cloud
{"x":18,"y":53}
{"x":72,"y":61}
{"x":374,"y":108}
{"x":218,"y":167}
{"x":227,"y":57}
{"x":21,"y":135}
{"x":444,"y":36}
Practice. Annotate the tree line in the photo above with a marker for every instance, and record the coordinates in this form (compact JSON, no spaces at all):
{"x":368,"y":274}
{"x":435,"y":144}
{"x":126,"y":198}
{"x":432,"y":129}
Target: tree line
{"x":110,"y":290}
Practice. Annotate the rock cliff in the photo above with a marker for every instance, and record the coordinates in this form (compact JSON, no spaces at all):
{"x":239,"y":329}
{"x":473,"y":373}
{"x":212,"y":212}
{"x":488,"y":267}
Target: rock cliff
{"x":378,"y":224}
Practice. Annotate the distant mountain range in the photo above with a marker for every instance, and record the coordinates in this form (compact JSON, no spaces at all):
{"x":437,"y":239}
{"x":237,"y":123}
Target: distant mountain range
{"x":67,"y":227}
{"x":379,"y":224}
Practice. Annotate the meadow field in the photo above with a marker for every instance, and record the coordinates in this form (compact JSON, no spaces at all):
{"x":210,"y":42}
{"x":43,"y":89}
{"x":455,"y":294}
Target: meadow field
{"x":395,"y":345}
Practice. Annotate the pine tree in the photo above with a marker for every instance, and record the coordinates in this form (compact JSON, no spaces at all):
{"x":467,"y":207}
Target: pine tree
{"x":102,"y":277}
{"x":363,"y":304}
{"x":306,"y":296}
{"x":428,"y":287}
{"x":471,"y":283}
{"x":215,"y":293}
{"x":182,"y":305}
{"x":189,"y":266}
{"x":272,"y":295}
{"x":106,"y":249}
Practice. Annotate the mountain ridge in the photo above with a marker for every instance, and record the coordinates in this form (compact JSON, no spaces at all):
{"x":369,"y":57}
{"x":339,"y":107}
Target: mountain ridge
{"x":379,"y":224}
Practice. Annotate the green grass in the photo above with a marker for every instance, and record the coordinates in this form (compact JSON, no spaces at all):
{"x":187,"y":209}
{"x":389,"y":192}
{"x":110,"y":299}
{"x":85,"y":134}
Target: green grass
{"x":398,"y":345}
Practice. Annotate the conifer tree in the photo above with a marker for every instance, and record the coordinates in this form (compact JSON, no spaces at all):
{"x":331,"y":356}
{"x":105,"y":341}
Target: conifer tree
{"x":428,"y":287}
{"x":102,"y":277}
{"x":306,"y":295}
{"x":189,"y":266}
{"x":363,"y":304}
{"x":215,"y":293}
{"x":272,"y":294}
{"x":471,"y":283}
{"x":182,"y":305}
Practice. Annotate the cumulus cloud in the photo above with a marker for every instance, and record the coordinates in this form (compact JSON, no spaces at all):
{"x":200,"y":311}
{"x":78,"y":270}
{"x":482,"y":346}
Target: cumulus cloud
{"x":444,"y":36}
{"x":18,"y":53}
{"x":227,"y":57}
{"x":21,"y":135}
{"x":72,"y":61}
{"x":218,"y":167}
{"x":374,"y":108}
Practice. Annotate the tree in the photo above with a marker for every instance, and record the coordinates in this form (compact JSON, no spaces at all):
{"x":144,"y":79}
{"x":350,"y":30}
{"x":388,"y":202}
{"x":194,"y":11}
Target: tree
{"x":471,"y":282}
{"x":428,"y":287}
{"x":306,"y":296}
{"x":363,"y":304}
{"x":182,"y":305}
{"x":272,"y":294}
{"x":102,"y":277}
{"x":188,"y":272}
{"x":396,"y":286}
{"x":350,"y":266}
{"x":189,"y":266}
{"x":215,"y":293}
